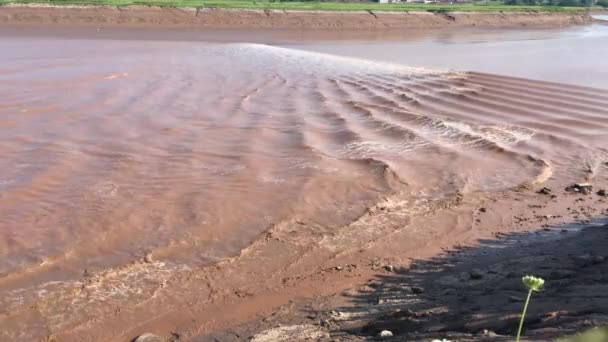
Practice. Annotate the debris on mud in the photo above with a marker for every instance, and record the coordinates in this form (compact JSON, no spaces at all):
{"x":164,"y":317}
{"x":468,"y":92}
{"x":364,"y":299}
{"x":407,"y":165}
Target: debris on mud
{"x":545,"y":191}
{"x":582,"y":188}
{"x":149,"y":337}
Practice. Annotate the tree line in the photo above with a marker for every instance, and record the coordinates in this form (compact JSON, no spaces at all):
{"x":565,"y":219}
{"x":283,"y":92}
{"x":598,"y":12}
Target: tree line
{"x":568,"y":3}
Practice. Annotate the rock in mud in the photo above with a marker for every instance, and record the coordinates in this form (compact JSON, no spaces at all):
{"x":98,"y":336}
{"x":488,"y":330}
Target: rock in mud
{"x":374,"y":284}
{"x":487,"y":333}
{"x":389,"y":268}
{"x":583,"y":188}
{"x":602,"y":193}
{"x":385,"y":334}
{"x":149,"y":337}
{"x":337,"y":314}
{"x":291,"y":333}
{"x":544,"y":191}
{"x":398,"y":313}
{"x":515,"y":299}
{"x":582,"y":260}
{"x":476,"y":274}
{"x":597,"y":259}
{"x":148,"y":258}
{"x":416,"y":289}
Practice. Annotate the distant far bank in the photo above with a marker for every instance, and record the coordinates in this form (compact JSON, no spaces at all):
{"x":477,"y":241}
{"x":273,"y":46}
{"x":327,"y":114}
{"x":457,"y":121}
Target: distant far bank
{"x":352,"y":5}
{"x":286,"y":15}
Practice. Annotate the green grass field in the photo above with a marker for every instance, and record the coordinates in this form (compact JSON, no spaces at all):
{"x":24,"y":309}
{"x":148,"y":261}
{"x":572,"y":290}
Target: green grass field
{"x":308,"y":5}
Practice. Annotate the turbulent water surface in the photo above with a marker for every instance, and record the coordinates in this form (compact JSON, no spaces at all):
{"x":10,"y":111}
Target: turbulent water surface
{"x":186,"y":152}
{"x":573,"y":55}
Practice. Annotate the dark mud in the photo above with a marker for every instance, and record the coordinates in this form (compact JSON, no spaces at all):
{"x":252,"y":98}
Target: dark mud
{"x":467,"y":294}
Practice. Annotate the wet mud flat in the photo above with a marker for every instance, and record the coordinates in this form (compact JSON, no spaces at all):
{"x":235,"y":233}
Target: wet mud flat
{"x":466,"y":294}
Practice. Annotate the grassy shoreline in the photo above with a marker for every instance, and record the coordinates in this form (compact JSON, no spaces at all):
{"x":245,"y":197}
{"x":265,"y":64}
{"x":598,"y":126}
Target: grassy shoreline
{"x":305,"y":6}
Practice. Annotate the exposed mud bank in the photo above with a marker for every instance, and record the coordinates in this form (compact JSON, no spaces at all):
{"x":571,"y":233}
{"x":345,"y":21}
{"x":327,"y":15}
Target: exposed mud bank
{"x":278,"y":19}
{"x":468,"y":294}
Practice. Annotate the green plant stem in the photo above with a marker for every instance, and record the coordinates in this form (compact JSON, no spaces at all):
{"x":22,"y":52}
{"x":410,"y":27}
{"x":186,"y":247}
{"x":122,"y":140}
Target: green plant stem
{"x":523,"y":316}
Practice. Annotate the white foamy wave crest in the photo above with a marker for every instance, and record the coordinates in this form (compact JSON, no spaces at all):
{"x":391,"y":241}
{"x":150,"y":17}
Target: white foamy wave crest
{"x":276,"y":58}
{"x":373,"y":149}
{"x":506,"y":134}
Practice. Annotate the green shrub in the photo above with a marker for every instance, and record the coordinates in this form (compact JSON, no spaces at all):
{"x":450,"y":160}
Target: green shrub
{"x":569,"y":3}
{"x":603,"y":3}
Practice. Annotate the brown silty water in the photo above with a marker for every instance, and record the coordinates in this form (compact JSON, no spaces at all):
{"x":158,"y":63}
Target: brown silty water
{"x":183,"y":154}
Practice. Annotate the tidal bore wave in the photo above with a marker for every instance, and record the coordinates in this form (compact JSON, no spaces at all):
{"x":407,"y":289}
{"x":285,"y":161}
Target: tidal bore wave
{"x":191,"y":154}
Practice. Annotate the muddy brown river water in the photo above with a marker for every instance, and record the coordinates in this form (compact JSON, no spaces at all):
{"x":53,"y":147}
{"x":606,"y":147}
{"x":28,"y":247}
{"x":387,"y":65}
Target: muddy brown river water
{"x":129,"y":160}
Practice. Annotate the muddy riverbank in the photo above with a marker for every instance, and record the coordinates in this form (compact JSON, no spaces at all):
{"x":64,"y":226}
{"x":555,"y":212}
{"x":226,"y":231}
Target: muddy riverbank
{"x":138,"y":16}
{"x":466,"y":294}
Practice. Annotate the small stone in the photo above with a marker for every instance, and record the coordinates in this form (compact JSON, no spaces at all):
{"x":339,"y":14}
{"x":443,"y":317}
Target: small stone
{"x":572,"y":188}
{"x":384,"y":334}
{"x":338,"y":268}
{"x":389,"y":268}
{"x":148,"y":337}
{"x":602,"y":193}
{"x":336,"y":314}
{"x":515,"y":299}
{"x":476,"y":274}
{"x":375,"y":284}
{"x":583,"y":188}
{"x":416,"y":289}
{"x":175,"y":337}
{"x":447,"y":292}
{"x":483,"y":210}
{"x":487,"y":333}
{"x":550,"y":315}
{"x":582,"y":260}
{"x":148,"y":258}
{"x":597,"y":259}
{"x":350,"y":292}
{"x":400,"y":313}
{"x":545,"y":191}
{"x":426,"y":313}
